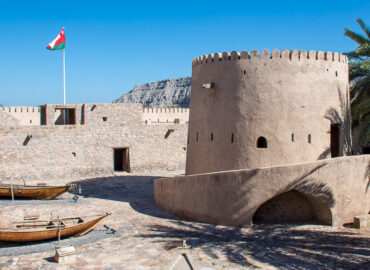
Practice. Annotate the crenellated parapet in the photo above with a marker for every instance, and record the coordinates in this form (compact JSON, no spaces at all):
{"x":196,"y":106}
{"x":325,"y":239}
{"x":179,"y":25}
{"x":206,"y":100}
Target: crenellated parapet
{"x":293,"y":55}
{"x":20,"y":109}
{"x":27,"y":116}
{"x":165,"y":115}
{"x":166,"y":110}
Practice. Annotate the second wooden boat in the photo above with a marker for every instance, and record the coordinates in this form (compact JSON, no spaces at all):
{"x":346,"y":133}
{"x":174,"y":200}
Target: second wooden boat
{"x":28,"y":231}
{"x":39,"y":192}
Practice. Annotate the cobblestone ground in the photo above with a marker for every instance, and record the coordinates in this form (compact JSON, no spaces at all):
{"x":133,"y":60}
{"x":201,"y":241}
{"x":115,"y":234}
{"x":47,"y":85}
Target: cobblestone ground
{"x":148,"y":238}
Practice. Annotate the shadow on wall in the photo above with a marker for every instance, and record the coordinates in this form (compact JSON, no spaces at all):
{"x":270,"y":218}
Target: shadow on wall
{"x":278,"y":245}
{"x":343,"y":119}
{"x":136,"y":190}
{"x":326,"y":153}
{"x":367,"y":175}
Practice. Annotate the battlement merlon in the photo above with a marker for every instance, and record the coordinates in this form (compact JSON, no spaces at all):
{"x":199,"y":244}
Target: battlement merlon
{"x":20,"y":109}
{"x":166,"y":110}
{"x":293,"y":55}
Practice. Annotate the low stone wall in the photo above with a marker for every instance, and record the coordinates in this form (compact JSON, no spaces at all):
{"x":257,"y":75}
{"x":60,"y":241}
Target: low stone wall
{"x":337,"y":187}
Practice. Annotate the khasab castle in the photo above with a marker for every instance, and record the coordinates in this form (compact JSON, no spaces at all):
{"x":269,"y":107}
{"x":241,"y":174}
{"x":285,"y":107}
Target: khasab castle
{"x":266,"y":140}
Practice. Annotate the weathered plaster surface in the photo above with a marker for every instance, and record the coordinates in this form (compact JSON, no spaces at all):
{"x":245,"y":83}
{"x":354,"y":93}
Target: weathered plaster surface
{"x":233,"y":197}
{"x":271,"y":95}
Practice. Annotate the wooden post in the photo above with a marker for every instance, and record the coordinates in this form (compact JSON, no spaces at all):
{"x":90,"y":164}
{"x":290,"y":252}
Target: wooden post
{"x":11,"y":189}
{"x":60,"y":225}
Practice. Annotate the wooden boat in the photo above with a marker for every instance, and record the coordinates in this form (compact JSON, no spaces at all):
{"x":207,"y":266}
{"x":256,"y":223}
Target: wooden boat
{"x":37,"y":230}
{"x":39,"y":192}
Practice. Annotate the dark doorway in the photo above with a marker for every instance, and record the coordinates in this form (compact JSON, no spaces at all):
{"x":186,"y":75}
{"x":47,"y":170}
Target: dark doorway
{"x":334,"y":140}
{"x":121,"y":160}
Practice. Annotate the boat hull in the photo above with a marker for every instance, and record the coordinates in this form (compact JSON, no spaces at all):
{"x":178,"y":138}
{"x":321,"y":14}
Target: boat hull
{"x":32,"y":192}
{"x":41,"y":235}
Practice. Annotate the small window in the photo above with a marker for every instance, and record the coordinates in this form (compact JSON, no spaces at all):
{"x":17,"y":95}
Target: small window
{"x":188,"y":139}
{"x":245,"y":72}
{"x":232,"y":137}
{"x":292,"y":137}
{"x":66,"y":116}
{"x":30,"y":121}
{"x":197,"y":136}
{"x":105,"y":119}
{"x":211,"y":137}
{"x":309,"y":138}
{"x":336,"y":73}
{"x":261,"y":142}
{"x":74,"y":154}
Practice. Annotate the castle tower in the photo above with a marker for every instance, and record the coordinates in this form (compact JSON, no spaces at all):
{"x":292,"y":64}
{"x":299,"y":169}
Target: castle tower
{"x":259,"y":110}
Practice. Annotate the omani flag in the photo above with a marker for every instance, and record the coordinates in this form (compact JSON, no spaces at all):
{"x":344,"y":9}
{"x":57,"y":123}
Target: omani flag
{"x":58,"y":43}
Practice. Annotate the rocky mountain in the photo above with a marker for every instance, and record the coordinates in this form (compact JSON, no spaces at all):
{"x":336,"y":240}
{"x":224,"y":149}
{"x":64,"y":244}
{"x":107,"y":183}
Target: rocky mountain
{"x":166,"y":93}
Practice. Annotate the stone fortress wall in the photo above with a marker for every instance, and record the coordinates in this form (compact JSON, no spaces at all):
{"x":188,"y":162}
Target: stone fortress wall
{"x":86,"y":144}
{"x":284,"y":98}
{"x":266,"y":132}
{"x":31,"y":116}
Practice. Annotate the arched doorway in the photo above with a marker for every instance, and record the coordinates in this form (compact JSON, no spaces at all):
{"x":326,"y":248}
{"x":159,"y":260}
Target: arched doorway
{"x":293,"y":207}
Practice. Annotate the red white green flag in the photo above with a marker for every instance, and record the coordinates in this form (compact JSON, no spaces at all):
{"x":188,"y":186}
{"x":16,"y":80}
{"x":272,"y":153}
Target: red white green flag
{"x":59,"y":42}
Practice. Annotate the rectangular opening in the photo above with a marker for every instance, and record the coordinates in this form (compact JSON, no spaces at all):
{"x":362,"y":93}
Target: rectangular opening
{"x":334,"y":140}
{"x":121,"y":160}
{"x":43,"y":116}
{"x":65,"y":116}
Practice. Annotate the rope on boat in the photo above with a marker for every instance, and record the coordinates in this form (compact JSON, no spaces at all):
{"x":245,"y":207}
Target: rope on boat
{"x":71,"y":186}
{"x":11,"y":188}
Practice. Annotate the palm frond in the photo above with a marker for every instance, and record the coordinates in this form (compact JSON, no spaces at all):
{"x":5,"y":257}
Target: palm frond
{"x":362,"y":134}
{"x":353,"y":56}
{"x":363,"y":50}
{"x":364,"y":27}
{"x":359,"y":39}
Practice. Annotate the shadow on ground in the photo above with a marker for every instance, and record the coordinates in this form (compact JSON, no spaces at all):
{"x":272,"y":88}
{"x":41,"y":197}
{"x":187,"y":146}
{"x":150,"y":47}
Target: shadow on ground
{"x":136,"y":190}
{"x":283,"y":246}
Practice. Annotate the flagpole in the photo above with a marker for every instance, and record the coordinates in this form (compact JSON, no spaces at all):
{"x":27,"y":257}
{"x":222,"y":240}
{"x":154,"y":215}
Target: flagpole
{"x":64,"y":76}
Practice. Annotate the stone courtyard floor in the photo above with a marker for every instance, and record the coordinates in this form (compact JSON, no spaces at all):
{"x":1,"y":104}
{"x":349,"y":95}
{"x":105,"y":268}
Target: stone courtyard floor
{"x":148,"y":238}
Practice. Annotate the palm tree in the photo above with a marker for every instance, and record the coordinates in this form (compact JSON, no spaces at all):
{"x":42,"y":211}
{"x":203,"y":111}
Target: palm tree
{"x":359,"y":74}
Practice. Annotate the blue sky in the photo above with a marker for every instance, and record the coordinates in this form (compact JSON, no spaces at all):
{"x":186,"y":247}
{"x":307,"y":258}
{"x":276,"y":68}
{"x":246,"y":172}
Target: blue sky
{"x":113,"y":45}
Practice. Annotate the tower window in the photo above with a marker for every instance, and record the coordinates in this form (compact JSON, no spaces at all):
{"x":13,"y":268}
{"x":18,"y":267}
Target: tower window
{"x":309,"y":138}
{"x":197,"y":136}
{"x":232,"y":137}
{"x":261,"y":142}
{"x":211,"y":137}
{"x":292,"y":137}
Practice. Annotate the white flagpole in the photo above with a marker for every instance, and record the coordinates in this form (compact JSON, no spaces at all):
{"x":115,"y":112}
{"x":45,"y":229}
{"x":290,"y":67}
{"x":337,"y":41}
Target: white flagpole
{"x":64,"y":76}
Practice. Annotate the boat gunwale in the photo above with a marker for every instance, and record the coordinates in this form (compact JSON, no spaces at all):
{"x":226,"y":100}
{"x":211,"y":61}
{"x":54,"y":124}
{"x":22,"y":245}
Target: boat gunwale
{"x":57,"y":228}
{"x":9,"y":186}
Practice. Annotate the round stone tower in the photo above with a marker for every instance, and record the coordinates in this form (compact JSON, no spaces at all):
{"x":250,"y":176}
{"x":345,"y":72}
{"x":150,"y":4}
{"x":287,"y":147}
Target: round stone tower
{"x":259,"y":110}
